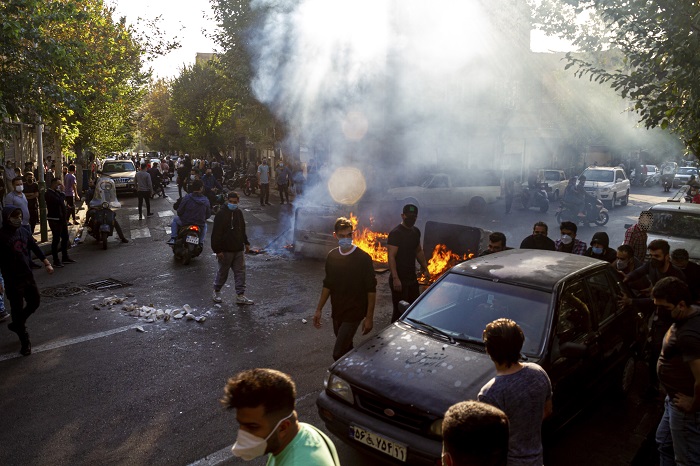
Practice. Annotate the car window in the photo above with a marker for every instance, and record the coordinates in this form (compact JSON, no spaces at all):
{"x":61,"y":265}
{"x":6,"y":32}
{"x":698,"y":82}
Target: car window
{"x":619,"y":174}
{"x":680,"y":223}
{"x":574,"y":318}
{"x":604,"y":176}
{"x":552,"y":176}
{"x":118,"y":167}
{"x":439,"y":182}
{"x":603,"y":302}
{"x":462,"y":306}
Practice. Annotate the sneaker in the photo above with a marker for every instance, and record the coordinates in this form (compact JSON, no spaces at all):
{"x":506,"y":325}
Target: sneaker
{"x":150,"y":214}
{"x":217,"y":297}
{"x":124,"y":240}
{"x":4,"y":315}
{"x":171,"y":242}
{"x":241,"y":299}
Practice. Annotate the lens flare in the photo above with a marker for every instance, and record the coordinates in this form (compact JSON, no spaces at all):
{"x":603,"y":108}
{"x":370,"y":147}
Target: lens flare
{"x":347,"y":185}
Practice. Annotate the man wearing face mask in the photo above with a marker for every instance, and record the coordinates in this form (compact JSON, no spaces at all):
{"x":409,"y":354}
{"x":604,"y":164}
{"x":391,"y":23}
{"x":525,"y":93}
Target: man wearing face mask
{"x":538,"y":239}
{"x":15,"y":244}
{"x":17,"y":198}
{"x":404,"y":249}
{"x":351,"y":285}
{"x":681,"y":259}
{"x":636,"y":235}
{"x":659,"y":266}
{"x":599,"y":248}
{"x":568,"y":242}
{"x":264,"y":182}
{"x":679,"y":371}
{"x":264,"y":400}
{"x":230,"y":243}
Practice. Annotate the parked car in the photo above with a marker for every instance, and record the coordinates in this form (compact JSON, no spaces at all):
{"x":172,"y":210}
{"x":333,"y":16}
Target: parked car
{"x":556,"y":182}
{"x":123,"y":172}
{"x":388,"y":396}
{"x":679,"y":224}
{"x":609,"y":184}
{"x":683,"y":175}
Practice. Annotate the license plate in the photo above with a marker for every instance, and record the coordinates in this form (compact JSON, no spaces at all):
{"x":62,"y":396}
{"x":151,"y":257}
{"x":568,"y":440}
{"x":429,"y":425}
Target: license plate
{"x":387,"y":446}
{"x":192,"y":239}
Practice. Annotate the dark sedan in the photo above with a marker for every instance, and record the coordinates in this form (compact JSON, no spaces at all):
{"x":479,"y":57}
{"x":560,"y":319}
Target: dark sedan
{"x":388,"y":396}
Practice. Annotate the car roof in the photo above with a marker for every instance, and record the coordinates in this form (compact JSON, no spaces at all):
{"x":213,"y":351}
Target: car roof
{"x":673,"y":206}
{"x":533,"y":268}
{"x":602,"y":168}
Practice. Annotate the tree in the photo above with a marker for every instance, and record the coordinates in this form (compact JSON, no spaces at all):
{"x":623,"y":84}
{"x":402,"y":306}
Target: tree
{"x":659,"y":71}
{"x":159,"y":126}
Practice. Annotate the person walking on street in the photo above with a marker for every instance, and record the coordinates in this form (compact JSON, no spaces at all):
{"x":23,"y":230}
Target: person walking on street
{"x":678,"y":434}
{"x":404,"y":249}
{"x":57,"y":215}
{"x":15,"y":244}
{"x":31,"y":192}
{"x":264,"y":182}
{"x":521,"y":389}
{"x":70,"y":189}
{"x":230,"y":244}
{"x":264,"y":400}
{"x":144,"y":190}
{"x":284,"y":176}
{"x":352,"y":287}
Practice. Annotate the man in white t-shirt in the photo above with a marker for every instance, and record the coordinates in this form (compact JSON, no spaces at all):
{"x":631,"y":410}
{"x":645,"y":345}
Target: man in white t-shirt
{"x":264,"y":182}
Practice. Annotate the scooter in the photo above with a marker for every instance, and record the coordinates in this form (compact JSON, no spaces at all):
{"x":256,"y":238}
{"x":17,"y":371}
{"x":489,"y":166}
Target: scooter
{"x":667,"y":181}
{"x":535,"y":198}
{"x":101,"y":223}
{"x":187,"y":244}
{"x":651,"y":180}
{"x":251,"y":184}
{"x":595,"y":213}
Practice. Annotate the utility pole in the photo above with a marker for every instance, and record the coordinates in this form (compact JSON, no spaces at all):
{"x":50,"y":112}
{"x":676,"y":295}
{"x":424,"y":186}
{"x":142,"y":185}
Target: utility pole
{"x":43,"y":225}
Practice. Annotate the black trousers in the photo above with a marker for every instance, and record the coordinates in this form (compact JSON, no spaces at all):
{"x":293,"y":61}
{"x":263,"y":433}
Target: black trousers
{"x":284,"y":192}
{"x":409,"y":293}
{"x":264,"y":193}
{"x":144,"y":196}
{"x":17,"y":294}
{"x":70,"y":202}
{"x":59,"y":233}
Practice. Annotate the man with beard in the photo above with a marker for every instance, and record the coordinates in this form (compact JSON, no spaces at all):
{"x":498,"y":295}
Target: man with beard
{"x":679,"y":371}
{"x":681,"y":259}
{"x":659,"y":266}
{"x":20,"y":287}
{"x":404,"y":249}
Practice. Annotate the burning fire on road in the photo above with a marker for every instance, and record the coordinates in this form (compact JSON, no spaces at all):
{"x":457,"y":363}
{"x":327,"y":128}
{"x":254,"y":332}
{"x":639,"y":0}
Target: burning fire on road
{"x":374,"y":244}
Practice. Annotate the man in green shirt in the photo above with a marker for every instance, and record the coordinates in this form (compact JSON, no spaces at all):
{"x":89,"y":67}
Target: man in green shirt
{"x":264,"y":400}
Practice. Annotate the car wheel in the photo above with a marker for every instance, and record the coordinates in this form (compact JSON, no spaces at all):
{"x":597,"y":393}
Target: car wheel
{"x":625,"y":376}
{"x":477,"y":205}
{"x":625,"y":199}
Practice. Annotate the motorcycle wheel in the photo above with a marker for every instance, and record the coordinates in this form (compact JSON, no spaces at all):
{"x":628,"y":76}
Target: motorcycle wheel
{"x":602,"y":219}
{"x":103,"y":239}
{"x":186,"y":256}
{"x":247,"y":191}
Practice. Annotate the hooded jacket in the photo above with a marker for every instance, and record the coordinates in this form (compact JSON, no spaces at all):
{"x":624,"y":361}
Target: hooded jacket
{"x":194,"y":209}
{"x":15,"y":244}
{"x":608,"y":255}
{"x":228,"y":234}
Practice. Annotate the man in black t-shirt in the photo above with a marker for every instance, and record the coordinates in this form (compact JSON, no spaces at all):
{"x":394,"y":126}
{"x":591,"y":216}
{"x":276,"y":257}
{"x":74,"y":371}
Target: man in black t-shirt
{"x":679,"y":372}
{"x":404,"y":249}
{"x":351,"y":285}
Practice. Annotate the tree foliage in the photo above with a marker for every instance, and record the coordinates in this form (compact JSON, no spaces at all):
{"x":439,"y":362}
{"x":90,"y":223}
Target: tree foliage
{"x":660,"y":44}
{"x":159,"y":126}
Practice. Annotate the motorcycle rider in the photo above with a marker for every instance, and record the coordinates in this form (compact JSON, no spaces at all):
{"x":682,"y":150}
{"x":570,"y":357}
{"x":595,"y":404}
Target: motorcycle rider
{"x":600,"y":248}
{"x":156,"y":181}
{"x":94,"y":198}
{"x":211,"y":186}
{"x":193,"y":209}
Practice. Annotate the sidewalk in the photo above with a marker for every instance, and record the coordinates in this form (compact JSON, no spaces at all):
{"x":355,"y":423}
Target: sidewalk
{"x":74,"y":231}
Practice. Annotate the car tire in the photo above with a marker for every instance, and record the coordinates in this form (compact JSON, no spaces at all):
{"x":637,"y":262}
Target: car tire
{"x":477,"y":205}
{"x":624,"y":378}
{"x":625,"y":200}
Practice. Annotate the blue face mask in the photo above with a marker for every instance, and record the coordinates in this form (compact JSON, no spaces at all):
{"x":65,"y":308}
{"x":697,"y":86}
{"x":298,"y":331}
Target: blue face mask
{"x":232,"y":206}
{"x":345,"y":242}
{"x":597,"y":250}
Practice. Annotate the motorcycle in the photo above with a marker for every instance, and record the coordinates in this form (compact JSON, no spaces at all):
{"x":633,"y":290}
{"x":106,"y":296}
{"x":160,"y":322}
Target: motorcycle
{"x":100,"y":223}
{"x":217,"y":199}
{"x":187,"y":244}
{"x":251,"y":184}
{"x":651,"y":180}
{"x":595,"y":213}
{"x":236,"y":180}
{"x":535,"y":198}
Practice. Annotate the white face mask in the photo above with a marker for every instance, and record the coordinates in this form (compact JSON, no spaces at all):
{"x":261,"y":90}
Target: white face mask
{"x":19,"y":188}
{"x":566,"y":239}
{"x":249,"y":446}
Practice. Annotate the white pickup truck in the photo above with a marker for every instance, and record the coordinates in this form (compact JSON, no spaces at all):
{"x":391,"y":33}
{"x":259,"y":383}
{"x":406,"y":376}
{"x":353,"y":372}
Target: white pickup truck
{"x":439,"y":191}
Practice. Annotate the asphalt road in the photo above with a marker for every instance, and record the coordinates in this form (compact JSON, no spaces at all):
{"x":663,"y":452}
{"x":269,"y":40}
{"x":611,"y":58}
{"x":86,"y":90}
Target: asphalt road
{"x":97,"y":390}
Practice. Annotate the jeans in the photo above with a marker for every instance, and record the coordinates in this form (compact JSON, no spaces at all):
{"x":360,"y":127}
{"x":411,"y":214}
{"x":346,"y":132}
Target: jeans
{"x":59,"y":233}
{"x":144,"y":195}
{"x":264,"y":193}
{"x":344,"y":333}
{"x":17,"y":294}
{"x":409,"y":292}
{"x":177,"y":224}
{"x":678,"y":436}
{"x":234,"y":261}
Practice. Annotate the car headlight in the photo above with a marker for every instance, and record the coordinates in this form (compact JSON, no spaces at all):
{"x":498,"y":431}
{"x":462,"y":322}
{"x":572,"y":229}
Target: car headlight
{"x":605,"y":190}
{"x":339,"y":387}
{"x":436,"y":427}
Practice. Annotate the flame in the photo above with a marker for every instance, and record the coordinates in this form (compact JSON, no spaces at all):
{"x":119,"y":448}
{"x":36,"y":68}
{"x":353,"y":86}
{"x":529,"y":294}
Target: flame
{"x":441,"y":260}
{"x":370,"y":241}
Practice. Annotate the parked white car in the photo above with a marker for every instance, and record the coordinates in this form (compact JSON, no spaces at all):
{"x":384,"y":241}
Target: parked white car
{"x":609,"y":184}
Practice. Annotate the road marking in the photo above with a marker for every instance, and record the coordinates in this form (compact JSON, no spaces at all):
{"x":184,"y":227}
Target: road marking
{"x":264,"y":217}
{"x":70,"y":341}
{"x":140,"y":233}
{"x":166,"y":213}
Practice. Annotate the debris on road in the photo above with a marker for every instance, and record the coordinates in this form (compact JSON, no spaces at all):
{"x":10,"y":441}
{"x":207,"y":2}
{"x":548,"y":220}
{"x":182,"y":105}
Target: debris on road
{"x":149,"y":313}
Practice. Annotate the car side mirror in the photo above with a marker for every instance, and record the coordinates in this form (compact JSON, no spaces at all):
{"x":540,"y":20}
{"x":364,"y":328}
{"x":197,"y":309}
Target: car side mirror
{"x":573,"y":350}
{"x":403,"y":305}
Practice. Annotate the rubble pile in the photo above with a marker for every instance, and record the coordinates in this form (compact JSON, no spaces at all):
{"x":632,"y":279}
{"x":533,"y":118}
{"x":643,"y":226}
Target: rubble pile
{"x":149,"y":313}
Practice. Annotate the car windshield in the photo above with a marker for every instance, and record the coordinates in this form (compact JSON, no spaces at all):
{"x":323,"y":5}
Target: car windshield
{"x":687,"y":171}
{"x":461,"y":306}
{"x":605,"y":176}
{"x":678,"y":223}
{"x":552,"y":176}
{"x":116,"y":167}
